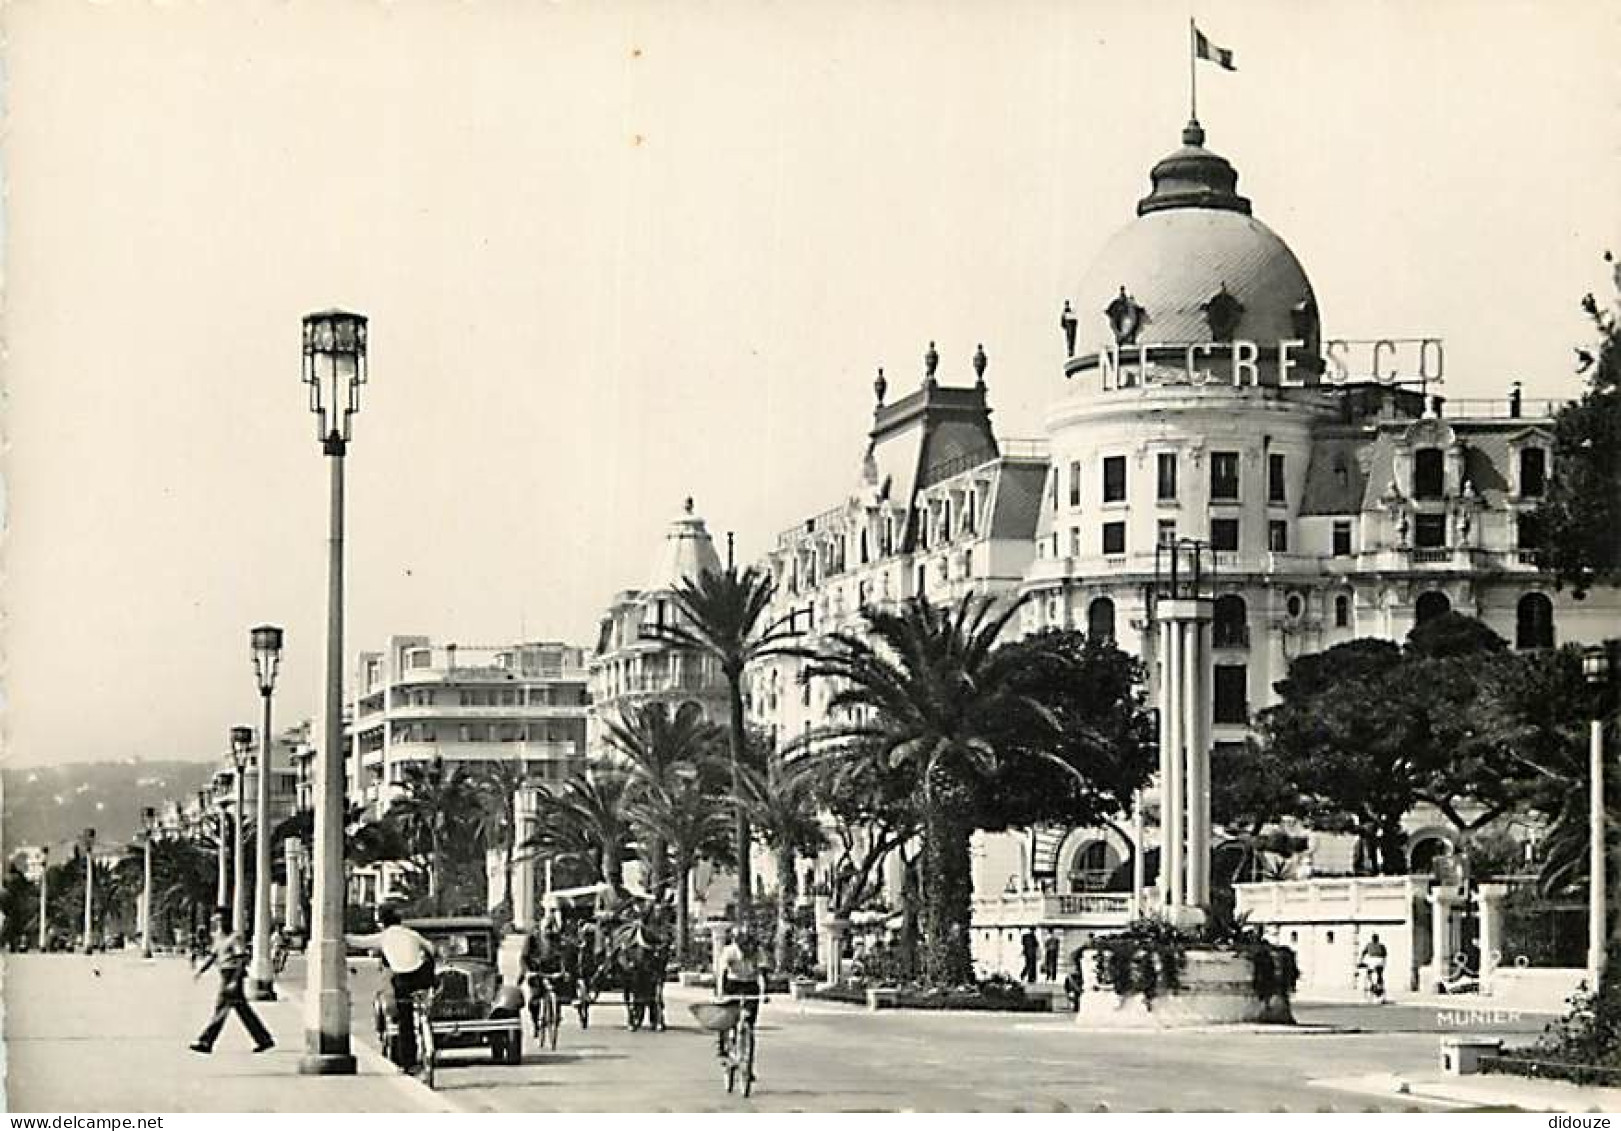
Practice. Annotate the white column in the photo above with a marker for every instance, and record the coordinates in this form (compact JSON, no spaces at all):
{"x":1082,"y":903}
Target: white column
{"x":1489,"y":900}
{"x":1166,"y":675}
{"x":1139,"y":864}
{"x":1198,"y":740}
{"x":1175,"y":806}
{"x":523,"y":870}
{"x":1597,"y":894}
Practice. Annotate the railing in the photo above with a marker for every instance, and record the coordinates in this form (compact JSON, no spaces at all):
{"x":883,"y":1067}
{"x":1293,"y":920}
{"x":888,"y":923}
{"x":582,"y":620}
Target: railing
{"x":956,"y":465}
{"x":1094,"y":904}
{"x":1026,"y":449}
{"x":1432,"y":555}
{"x":1498,"y":409}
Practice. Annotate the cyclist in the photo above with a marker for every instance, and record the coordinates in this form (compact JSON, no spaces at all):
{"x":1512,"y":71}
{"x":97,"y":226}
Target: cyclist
{"x":410,"y":961}
{"x":741,"y":975}
{"x":278,"y":949}
{"x":1373,"y":961}
{"x":542,"y":961}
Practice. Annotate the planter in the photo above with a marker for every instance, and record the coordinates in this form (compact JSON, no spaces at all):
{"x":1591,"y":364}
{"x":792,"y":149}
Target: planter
{"x":800,"y":988}
{"x":1216,"y":988}
{"x":883,"y":997}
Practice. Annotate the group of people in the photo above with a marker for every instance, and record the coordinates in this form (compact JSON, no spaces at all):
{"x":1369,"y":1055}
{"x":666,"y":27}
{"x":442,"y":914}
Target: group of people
{"x":1040,"y":956}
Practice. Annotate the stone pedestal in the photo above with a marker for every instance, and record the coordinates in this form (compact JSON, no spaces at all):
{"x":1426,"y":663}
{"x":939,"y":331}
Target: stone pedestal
{"x":1443,"y":937}
{"x":1489,"y":901}
{"x":1216,"y":988}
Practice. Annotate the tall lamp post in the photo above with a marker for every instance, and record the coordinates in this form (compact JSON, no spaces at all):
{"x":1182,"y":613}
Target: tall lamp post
{"x":1598,"y":666}
{"x":241,"y":743}
{"x":205,"y":802}
{"x":89,"y":841}
{"x":44,"y":887}
{"x":334,"y":367}
{"x":266,"y":642}
{"x":149,"y":826}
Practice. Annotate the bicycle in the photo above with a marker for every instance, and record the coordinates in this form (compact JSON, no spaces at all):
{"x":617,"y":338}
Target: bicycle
{"x":548,"y":1018}
{"x":422,"y":1019}
{"x":739,"y":1042}
{"x":1373,"y":982}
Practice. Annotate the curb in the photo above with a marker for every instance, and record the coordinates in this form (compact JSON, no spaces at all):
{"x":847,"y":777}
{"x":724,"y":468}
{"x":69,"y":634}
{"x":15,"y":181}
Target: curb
{"x":436,"y":1103}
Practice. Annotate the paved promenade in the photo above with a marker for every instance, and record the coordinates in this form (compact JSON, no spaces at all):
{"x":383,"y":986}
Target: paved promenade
{"x":79,"y":1041}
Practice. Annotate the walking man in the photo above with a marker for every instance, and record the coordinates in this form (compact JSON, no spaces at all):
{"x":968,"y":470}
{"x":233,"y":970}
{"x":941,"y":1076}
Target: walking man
{"x":409,"y":958}
{"x":1049,"y":957}
{"x":1032,"y":951}
{"x":231,"y":957}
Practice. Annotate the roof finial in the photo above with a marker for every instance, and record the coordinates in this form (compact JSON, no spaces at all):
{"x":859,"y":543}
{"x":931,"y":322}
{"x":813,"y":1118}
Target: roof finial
{"x":688,"y":505}
{"x":1067,"y":323}
{"x":1193,"y":133}
{"x":879,"y":385}
{"x":931,"y":362}
{"x":980,"y":361}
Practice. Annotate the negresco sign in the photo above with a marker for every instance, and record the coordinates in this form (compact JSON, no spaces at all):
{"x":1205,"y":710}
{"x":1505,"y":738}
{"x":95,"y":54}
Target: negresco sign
{"x":1389,"y":361}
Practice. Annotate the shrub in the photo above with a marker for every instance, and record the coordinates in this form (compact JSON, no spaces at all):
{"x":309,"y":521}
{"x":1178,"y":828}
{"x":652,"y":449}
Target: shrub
{"x":1147,"y":958}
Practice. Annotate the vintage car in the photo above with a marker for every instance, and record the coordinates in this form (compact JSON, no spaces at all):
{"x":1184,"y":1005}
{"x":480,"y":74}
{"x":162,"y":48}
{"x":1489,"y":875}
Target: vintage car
{"x":472,"y":1007}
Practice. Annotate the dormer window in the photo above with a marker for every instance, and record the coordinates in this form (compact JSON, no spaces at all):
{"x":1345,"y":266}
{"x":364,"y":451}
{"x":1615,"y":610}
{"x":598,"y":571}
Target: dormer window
{"x":1429,"y":473}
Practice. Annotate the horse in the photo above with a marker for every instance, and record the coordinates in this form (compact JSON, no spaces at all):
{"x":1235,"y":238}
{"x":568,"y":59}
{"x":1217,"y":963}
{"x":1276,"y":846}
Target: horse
{"x":639,"y":955}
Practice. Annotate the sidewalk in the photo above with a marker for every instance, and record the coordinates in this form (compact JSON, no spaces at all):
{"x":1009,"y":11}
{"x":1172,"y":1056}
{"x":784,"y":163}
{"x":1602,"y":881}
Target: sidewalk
{"x":76,"y":1041}
{"x":1482,"y":1091}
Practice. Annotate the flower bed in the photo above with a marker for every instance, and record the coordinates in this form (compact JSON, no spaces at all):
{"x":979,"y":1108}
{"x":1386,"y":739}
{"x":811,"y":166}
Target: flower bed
{"x":986,"y":998}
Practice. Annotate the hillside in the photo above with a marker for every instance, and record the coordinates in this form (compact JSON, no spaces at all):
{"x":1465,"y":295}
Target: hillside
{"x":53,"y":804}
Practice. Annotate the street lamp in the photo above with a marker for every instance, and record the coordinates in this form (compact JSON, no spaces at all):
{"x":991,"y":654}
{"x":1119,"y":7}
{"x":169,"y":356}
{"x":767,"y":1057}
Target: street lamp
{"x":89,"y":841}
{"x":44,"y":887}
{"x":1598,"y":667}
{"x":206,"y":801}
{"x":241,"y":743}
{"x":266,"y":647}
{"x":149,"y":824}
{"x":334,"y":367}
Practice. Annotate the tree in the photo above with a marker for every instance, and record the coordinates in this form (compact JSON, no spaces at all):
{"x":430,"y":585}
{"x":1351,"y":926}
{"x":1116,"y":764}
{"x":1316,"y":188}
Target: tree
{"x":587,"y":819}
{"x":1580,"y":518}
{"x":781,"y":803}
{"x":723,"y":613}
{"x":496,"y":784}
{"x":435,"y":809}
{"x":1251,"y":786}
{"x":19,"y":903}
{"x":930,"y":692}
{"x":684,"y":814}
{"x":660,"y":749}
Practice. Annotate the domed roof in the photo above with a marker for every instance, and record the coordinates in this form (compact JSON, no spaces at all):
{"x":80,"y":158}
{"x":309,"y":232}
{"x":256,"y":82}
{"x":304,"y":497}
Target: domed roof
{"x":686,"y":552}
{"x":1195,"y":266}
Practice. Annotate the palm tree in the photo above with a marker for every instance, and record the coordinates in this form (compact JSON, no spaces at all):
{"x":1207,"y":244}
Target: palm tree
{"x":433,"y":808}
{"x":497,"y":785}
{"x":781,"y":802}
{"x":933,"y":695}
{"x":723,"y":611}
{"x":659,"y":748}
{"x":586,"y":819}
{"x":687,"y":817}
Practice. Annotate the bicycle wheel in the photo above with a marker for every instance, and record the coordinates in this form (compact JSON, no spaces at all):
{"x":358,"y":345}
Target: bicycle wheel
{"x":427,"y":1051}
{"x":554,"y":1019}
{"x":729,"y":1064}
{"x":745,"y":1056}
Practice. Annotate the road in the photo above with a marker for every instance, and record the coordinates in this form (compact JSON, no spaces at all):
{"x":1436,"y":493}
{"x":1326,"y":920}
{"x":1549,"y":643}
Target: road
{"x":824,"y":1057}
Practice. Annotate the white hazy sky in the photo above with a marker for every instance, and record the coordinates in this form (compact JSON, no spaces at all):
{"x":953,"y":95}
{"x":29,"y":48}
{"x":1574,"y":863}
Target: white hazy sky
{"x":619,"y":253}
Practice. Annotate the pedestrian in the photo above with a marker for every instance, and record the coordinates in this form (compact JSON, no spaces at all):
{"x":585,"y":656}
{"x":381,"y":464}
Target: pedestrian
{"x":410,"y":961}
{"x":1075,"y":982}
{"x":1049,"y":957}
{"x":1032,"y":952}
{"x":231,"y":957}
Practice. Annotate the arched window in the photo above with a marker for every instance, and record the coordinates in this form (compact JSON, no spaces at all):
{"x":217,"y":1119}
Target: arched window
{"x":1100,"y":619}
{"x":1342,"y":611}
{"x":1429,"y":473}
{"x":863,"y":547}
{"x":1533,"y":472}
{"x":1533,"y":622}
{"x":1230,"y":624}
{"x":1092,"y":867}
{"x":1431,"y":605}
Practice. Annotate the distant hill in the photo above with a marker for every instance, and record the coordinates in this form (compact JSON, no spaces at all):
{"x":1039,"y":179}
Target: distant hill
{"x":54,"y":804}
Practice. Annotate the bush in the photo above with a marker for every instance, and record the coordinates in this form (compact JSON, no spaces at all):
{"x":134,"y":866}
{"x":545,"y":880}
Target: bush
{"x":1148,"y":957}
{"x":1586,"y":1039}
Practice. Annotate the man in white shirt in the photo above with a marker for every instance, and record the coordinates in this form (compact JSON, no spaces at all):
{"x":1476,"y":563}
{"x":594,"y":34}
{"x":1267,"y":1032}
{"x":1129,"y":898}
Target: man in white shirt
{"x":410,"y":961}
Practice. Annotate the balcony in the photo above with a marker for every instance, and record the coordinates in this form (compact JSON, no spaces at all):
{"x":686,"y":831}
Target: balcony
{"x":1091,"y":909}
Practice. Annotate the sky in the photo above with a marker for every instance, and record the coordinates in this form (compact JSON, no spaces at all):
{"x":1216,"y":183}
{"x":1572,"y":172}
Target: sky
{"x":615,"y":254}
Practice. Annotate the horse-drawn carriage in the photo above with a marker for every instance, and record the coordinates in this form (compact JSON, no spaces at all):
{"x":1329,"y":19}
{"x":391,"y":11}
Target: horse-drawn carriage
{"x":619,"y":947}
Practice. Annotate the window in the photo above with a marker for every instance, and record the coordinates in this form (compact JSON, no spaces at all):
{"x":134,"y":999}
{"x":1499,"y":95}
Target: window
{"x":1224,"y":475}
{"x":1114,"y":537}
{"x":1429,"y":473}
{"x":1100,"y":619}
{"x":1092,"y":868}
{"x":1075,"y":483}
{"x":1167,"y":476}
{"x":1342,"y":539}
{"x":1114,"y":479}
{"x":1167,"y":531}
{"x":1052,"y":489}
{"x":1431,"y":605}
{"x":1274,"y":479}
{"x":1533,"y":627}
{"x":1075,"y":541}
{"x":1342,"y":611}
{"x":1224,"y":535}
{"x":864,"y":540}
{"x":1277,"y":537}
{"x":945,"y":521}
{"x":1232,"y":694}
{"x":1533,"y":472}
{"x":1430,"y":531}
{"x":1530,"y":532}
{"x":1229,"y":622}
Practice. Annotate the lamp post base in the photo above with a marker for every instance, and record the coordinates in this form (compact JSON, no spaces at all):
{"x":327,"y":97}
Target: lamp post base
{"x":326,"y":1064}
{"x":261,"y":990}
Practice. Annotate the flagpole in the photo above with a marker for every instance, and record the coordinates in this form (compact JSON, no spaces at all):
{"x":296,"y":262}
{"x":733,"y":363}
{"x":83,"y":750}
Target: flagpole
{"x":1193,"y":71}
